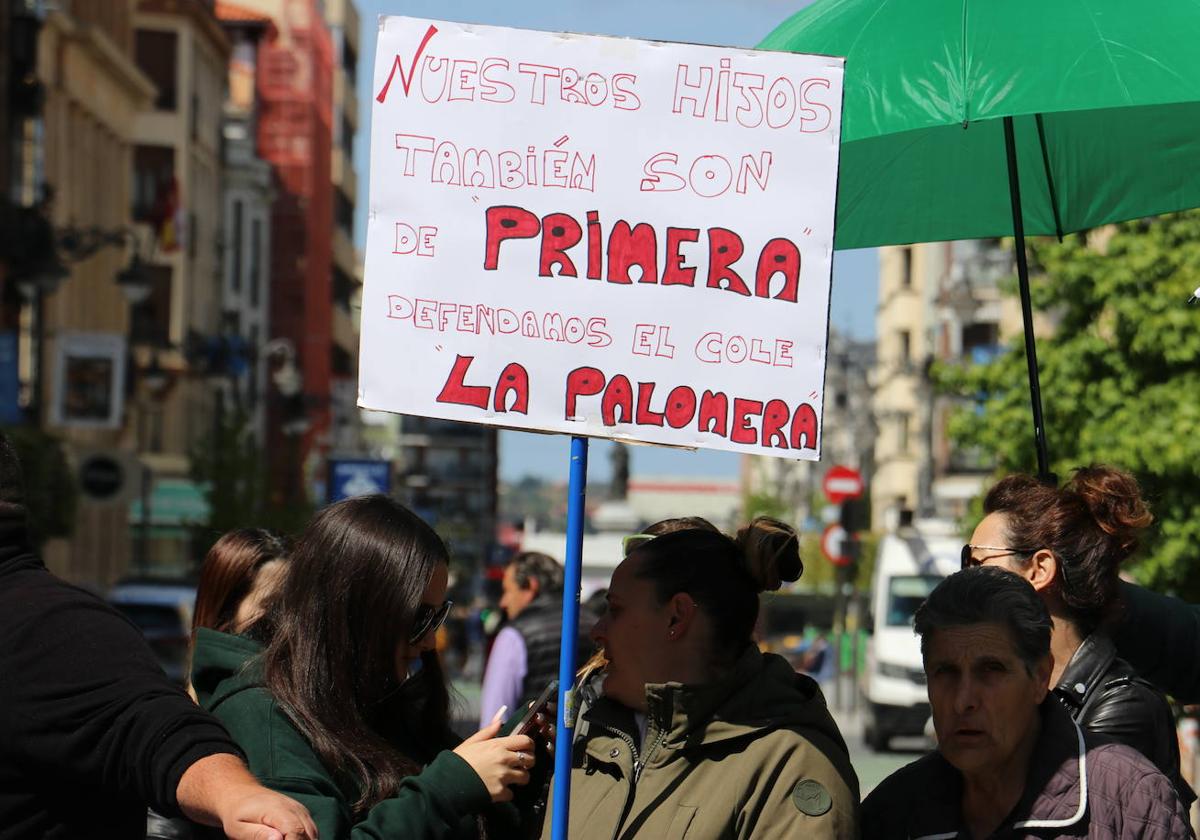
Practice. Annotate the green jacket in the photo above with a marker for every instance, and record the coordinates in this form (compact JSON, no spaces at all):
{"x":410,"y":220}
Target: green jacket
{"x":755,"y":755}
{"x":439,"y":802}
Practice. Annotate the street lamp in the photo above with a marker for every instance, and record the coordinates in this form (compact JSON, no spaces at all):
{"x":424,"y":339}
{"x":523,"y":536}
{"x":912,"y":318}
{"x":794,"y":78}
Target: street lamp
{"x":36,"y":255}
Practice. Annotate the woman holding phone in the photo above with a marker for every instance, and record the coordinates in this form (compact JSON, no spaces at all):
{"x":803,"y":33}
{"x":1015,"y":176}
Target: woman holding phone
{"x":346,"y":708}
{"x":694,"y":731}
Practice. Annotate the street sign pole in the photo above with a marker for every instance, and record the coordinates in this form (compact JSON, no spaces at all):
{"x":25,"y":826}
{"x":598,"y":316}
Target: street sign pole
{"x":576,"y":495}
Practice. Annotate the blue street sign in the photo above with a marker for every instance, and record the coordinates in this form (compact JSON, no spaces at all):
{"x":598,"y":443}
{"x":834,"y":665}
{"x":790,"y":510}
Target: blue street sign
{"x":358,"y":477}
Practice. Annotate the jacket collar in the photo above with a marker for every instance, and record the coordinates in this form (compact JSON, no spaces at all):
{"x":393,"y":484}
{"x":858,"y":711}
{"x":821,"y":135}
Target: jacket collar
{"x":222,"y":665}
{"x":679,"y":715}
{"x":1055,"y":793}
{"x":1085,"y":672}
{"x":687,"y":714}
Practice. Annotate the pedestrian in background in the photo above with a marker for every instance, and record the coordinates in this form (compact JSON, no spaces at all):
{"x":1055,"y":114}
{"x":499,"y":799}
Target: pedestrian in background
{"x":524,"y":656}
{"x":696,"y":731}
{"x":1069,"y":543}
{"x":1010,"y":761}
{"x":91,"y":729}
{"x":239,"y":577}
{"x":346,"y":706}
{"x":240,"y":574}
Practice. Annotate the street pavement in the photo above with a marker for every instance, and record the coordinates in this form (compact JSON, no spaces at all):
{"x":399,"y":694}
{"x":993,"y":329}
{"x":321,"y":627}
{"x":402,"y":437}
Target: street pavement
{"x":872,"y":767}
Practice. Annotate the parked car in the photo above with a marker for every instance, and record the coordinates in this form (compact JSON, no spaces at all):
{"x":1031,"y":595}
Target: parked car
{"x":908,"y":565}
{"x":162,"y":610}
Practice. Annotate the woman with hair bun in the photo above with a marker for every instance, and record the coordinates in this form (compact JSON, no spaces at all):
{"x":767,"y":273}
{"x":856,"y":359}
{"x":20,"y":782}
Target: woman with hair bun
{"x":695,"y":730}
{"x":1069,"y":543}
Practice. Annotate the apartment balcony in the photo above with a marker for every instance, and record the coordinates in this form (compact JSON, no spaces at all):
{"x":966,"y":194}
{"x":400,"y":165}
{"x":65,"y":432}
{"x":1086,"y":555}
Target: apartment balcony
{"x":343,"y":96}
{"x":344,"y":256}
{"x":342,"y":171}
{"x":345,"y":331}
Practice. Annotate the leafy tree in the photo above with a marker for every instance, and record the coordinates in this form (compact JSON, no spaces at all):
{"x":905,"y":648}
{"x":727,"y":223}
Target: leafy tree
{"x":764,"y":503}
{"x":1120,"y":379}
{"x":229,"y":464}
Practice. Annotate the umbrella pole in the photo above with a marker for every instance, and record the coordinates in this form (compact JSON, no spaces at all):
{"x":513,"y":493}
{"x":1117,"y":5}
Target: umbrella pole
{"x":1035,"y":389}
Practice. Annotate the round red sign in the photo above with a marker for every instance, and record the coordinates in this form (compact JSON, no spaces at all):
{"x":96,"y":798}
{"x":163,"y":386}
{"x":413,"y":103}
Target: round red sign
{"x":842,"y":483}
{"x":833,"y":542}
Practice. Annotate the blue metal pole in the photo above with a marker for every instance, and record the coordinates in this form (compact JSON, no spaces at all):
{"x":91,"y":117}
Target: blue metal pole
{"x":576,"y":493}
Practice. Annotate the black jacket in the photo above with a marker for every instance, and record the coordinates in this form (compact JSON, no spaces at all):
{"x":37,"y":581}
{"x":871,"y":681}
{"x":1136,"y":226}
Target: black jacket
{"x":540,"y":626}
{"x":1105,"y":696}
{"x":1160,"y":637}
{"x":91,"y":730}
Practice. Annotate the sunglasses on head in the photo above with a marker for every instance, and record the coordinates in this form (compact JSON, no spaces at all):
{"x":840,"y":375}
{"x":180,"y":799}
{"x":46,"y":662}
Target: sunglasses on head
{"x":967,"y":558}
{"x":631,"y":542}
{"x":429,"y":619}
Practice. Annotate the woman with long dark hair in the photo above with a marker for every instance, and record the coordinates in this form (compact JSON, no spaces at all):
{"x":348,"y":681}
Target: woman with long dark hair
{"x":346,"y":708}
{"x":1069,"y":543}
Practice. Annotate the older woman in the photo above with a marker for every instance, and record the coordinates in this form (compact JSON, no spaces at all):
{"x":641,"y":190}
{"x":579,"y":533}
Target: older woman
{"x":1069,"y":543}
{"x":696,"y":731}
{"x":1010,"y":761}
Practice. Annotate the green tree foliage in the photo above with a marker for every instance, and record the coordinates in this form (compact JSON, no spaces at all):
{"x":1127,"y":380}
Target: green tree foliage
{"x":764,"y":503}
{"x":229,"y":464}
{"x":1120,"y":380}
{"x":51,"y":491}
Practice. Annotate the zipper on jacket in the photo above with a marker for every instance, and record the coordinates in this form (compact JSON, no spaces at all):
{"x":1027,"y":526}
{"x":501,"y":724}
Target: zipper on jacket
{"x":629,"y":796}
{"x":640,"y":764}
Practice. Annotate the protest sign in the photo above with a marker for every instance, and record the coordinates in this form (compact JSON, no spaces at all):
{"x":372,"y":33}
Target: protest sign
{"x":600,"y":236}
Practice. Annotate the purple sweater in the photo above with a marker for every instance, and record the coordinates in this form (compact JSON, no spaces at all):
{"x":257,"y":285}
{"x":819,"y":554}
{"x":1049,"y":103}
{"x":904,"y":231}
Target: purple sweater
{"x":504,"y":675}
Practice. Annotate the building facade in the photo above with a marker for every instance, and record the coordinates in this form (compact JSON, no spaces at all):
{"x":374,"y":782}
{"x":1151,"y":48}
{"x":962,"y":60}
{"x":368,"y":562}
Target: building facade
{"x":74,"y":155}
{"x":447,"y":473}
{"x":941,"y":302}
{"x":246,"y":219}
{"x":177,"y":204}
{"x":294,"y":79}
{"x":346,"y":430}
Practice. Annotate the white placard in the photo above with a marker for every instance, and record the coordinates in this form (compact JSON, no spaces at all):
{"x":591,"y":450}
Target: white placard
{"x":600,"y":236}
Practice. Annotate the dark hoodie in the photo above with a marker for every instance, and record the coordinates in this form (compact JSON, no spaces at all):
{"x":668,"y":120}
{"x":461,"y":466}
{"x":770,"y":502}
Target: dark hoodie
{"x":439,"y":803}
{"x":91,"y":730}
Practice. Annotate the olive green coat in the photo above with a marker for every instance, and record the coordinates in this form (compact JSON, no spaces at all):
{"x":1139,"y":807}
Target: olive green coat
{"x":755,"y":755}
{"x":440,"y":802}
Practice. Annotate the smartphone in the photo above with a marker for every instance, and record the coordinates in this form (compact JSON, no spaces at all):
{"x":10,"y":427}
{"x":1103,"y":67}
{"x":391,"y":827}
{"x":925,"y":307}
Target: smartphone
{"x":541,"y":705}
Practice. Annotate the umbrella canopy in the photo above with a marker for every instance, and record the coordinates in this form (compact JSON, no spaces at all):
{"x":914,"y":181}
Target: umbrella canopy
{"x":1104,"y":96}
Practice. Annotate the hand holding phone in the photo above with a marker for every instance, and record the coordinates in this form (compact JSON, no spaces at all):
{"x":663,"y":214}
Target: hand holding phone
{"x":530,"y":724}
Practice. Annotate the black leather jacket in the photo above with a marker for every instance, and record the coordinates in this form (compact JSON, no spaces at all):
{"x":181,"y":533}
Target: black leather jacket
{"x":1106,"y":696}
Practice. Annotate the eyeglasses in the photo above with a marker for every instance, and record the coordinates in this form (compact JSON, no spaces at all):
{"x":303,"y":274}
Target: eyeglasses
{"x":429,"y":618}
{"x":631,"y":542}
{"x":967,"y":560}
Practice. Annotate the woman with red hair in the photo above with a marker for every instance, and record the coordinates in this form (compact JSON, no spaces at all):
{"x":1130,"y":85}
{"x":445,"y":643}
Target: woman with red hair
{"x":1069,"y":543}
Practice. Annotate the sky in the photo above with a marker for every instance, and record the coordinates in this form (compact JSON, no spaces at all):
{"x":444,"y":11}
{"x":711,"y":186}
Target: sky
{"x":732,"y":23}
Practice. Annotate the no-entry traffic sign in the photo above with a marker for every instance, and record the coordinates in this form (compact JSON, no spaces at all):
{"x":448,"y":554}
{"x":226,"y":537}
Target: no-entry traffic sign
{"x":842,"y":483}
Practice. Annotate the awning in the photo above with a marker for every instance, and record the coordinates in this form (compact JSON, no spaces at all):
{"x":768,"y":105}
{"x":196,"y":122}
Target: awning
{"x":173,"y":502}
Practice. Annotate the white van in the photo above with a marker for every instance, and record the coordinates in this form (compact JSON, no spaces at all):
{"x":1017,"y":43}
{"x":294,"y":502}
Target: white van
{"x":908,"y":565}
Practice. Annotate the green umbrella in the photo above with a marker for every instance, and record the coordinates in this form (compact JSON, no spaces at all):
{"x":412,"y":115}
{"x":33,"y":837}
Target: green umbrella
{"x":976,"y":118}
